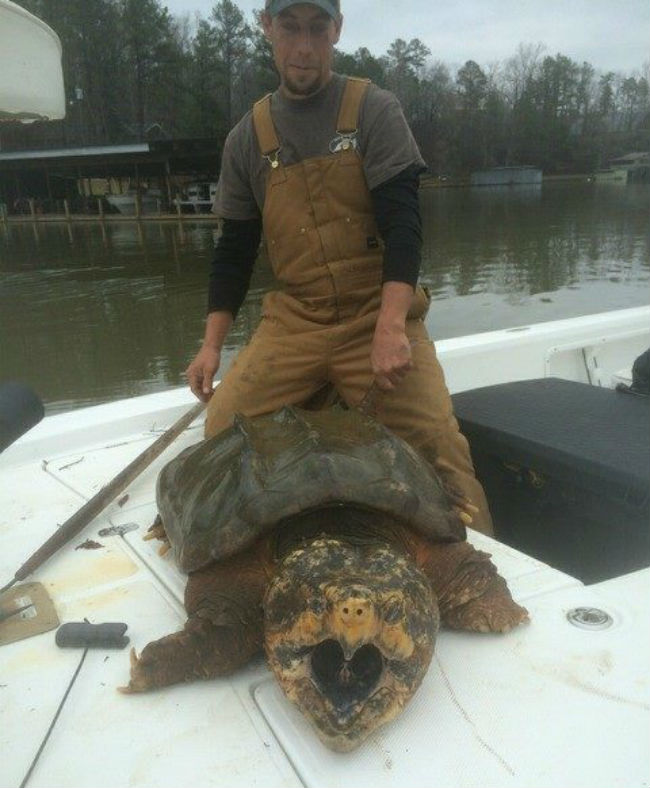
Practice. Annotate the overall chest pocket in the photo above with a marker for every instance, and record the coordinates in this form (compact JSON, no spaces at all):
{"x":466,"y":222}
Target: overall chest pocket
{"x":293,"y":256}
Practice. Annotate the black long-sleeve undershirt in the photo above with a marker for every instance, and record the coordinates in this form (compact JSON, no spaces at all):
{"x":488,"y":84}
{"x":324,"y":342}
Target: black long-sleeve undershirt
{"x":397,"y":213}
{"x":232,"y":264}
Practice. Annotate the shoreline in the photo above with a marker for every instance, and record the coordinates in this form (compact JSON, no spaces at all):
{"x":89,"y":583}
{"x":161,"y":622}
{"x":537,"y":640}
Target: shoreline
{"x":431,"y":182}
{"x":107,"y":218}
{"x":427,"y":182}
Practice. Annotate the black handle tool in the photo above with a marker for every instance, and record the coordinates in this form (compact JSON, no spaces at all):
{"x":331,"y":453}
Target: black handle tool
{"x":82,"y":634}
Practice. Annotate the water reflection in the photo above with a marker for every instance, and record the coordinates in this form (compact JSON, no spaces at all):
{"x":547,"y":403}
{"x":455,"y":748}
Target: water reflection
{"x":534,"y":240}
{"x":94,"y":311}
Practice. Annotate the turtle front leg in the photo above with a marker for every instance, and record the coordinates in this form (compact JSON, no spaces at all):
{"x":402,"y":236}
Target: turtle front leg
{"x":471,"y":594}
{"x":224,"y":629}
{"x":200,"y":651}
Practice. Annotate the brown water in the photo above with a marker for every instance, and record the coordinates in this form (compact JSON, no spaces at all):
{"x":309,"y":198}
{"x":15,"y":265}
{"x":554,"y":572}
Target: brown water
{"x":91,"y":312}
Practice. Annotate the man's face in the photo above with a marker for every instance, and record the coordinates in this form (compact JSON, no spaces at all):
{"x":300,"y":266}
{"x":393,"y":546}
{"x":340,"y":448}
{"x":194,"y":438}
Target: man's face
{"x":303,"y":38}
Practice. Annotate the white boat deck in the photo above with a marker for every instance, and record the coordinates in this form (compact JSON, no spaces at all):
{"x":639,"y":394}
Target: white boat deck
{"x":549,"y":704}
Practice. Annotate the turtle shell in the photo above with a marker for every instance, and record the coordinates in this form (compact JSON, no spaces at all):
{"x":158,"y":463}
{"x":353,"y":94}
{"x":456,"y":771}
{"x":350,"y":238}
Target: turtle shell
{"x":220,"y":495}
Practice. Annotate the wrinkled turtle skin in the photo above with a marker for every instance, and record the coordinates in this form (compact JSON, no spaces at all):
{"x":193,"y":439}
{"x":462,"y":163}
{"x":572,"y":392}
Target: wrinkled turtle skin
{"x":323,"y":539}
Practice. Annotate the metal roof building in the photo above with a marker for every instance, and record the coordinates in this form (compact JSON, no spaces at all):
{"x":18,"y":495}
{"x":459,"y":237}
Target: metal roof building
{"x":53,"y":174}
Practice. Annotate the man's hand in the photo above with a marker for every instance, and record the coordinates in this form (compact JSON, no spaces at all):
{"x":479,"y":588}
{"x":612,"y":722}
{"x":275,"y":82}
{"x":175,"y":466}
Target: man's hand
{"x":200,"y":373}
{"x":390,"y":354}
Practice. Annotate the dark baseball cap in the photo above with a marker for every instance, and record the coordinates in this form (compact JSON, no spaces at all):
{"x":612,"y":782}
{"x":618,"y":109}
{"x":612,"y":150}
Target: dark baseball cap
{"x":331,"y":7}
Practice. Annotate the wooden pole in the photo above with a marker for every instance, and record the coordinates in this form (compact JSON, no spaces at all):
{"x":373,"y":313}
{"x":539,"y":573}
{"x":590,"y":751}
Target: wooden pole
{"x":49,"y":191}
{"x":168,"y":183}
{"x":137,"y":191}
{"x":73,"y":525}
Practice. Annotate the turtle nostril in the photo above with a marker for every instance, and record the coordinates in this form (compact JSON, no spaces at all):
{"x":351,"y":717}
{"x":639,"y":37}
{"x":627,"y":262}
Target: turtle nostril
{"x":353,"y":612}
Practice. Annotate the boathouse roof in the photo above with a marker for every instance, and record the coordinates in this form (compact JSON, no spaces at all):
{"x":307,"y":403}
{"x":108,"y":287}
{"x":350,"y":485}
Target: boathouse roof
{"x":62,"y":153}
{"x":180,"y":156}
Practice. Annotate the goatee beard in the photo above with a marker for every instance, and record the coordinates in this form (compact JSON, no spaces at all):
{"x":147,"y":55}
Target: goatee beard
{"x":303,"y":90}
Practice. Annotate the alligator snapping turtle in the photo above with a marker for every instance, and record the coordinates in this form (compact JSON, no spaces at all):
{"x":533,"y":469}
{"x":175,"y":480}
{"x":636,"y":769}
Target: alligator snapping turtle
{"x":326,"y":540}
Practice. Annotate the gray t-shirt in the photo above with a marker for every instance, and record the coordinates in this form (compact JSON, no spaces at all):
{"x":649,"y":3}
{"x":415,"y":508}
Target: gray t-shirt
{"x":305,"y":128}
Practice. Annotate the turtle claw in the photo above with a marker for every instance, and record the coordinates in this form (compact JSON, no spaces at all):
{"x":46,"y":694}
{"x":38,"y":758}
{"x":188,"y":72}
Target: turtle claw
{"x":131,"y":687}
{"x":157,"y":531}
{"x":138,"y":679}
{"x":499,"y":614}
{"x":461,"y":505}
{"x":517,"y":617}
{"x":464,"y":516}
{"x":503,"y":621}
{"x":169,"y":660}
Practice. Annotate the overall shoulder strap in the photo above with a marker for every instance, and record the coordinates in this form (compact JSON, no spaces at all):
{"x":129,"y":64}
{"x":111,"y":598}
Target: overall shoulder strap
{"x":264,"y":128}
{"x":353,"y":93}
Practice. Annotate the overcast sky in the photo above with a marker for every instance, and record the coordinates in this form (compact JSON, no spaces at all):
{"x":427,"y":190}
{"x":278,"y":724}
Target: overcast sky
{"x":612,"y":35}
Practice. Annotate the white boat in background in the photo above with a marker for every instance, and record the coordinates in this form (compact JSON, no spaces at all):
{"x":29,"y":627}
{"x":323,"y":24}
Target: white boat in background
{"x":150,"y":202}
{"x":611,"y":175}
{"x":549,"y":704}
{"x":199,"y":197}
{"x":31,"y":77}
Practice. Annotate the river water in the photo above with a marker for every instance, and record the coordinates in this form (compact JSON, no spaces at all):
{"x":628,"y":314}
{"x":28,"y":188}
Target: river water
{"x":92,"y":312}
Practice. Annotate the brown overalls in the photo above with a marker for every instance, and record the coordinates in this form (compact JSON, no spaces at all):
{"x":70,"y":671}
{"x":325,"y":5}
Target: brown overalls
{"x":324,"y":247}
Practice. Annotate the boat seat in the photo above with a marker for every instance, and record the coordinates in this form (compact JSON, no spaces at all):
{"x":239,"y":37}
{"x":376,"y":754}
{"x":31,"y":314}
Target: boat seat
{"x":566,"y":467}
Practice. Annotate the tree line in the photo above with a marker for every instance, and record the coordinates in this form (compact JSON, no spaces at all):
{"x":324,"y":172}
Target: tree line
{"x":135,"y":72}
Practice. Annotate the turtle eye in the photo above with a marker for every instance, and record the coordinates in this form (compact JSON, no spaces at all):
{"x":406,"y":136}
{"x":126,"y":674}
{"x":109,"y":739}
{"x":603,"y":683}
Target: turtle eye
{"x":393,"y":611}
{"x":318,"y":605}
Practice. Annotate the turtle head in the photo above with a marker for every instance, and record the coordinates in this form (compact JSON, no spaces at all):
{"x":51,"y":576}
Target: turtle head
{"x":349,"y":634}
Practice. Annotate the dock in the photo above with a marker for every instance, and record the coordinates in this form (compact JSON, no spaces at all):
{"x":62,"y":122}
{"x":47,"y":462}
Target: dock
{"x":146,"y":181}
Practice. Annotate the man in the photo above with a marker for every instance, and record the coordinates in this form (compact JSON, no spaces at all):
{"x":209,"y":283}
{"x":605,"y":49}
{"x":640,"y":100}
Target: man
{"x":329,"y":168}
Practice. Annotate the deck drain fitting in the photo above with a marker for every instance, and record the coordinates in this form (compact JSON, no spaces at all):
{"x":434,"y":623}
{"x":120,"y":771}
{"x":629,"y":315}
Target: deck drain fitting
{"x":589,"y":618}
